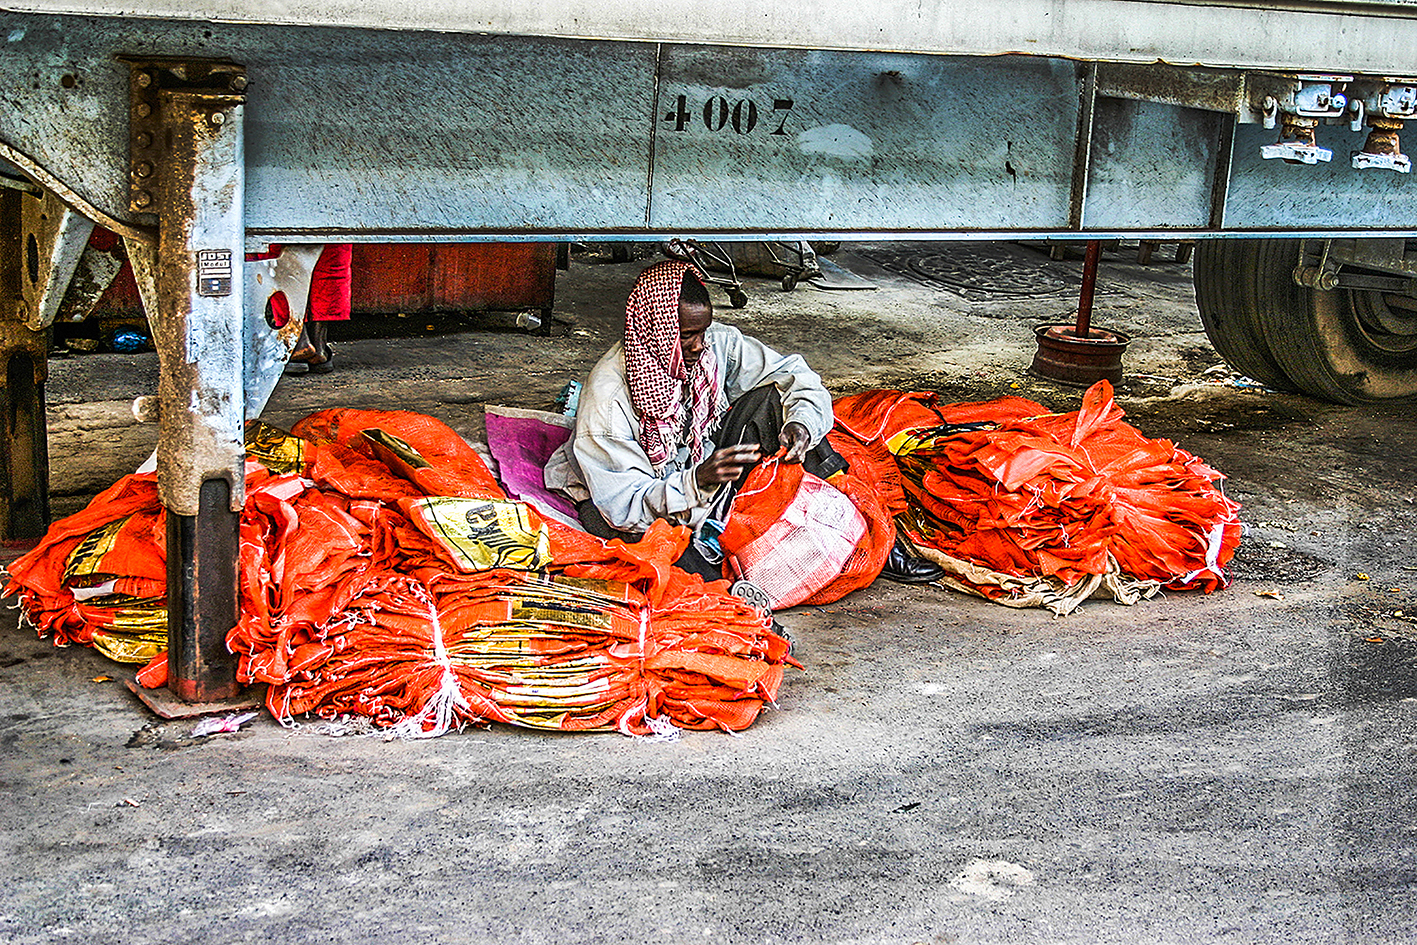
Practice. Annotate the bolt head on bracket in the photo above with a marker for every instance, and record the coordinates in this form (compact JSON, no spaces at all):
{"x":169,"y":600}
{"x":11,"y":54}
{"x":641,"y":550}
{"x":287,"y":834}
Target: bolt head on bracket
{"x":149,"y":79}
{"x":1397,"y":101}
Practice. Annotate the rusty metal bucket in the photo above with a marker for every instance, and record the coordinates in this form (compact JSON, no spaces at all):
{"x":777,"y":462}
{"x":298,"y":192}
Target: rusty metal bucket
{"x":1080,"y":354}
{"x":1070,"y":358}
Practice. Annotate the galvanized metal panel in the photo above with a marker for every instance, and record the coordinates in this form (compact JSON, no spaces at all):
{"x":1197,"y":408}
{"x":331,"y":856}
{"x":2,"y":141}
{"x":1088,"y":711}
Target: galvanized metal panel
{"x":362,"y":134}
{"x":440,"y":132}
{"x":358,"y":130}
{"x":63,"y":102}
{"x":1152,"y":165}
{"x":781,"y":139}
{"x":1270,"y":194}
{"x":1308,"y":35}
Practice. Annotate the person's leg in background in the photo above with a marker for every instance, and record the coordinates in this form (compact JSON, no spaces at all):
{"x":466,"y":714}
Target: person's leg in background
{"x":329,"y":302}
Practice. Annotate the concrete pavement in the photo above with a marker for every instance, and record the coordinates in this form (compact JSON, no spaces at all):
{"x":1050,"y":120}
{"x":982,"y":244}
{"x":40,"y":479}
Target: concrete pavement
{"x":1231,"y":768}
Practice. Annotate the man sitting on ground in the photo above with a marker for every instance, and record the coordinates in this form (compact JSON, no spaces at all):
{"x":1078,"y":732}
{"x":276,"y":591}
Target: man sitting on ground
{"x":674,"y":417}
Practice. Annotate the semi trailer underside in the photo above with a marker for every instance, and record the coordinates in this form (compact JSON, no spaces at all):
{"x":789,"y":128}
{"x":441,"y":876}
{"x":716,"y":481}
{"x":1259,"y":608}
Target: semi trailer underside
{"x":199,"y":132}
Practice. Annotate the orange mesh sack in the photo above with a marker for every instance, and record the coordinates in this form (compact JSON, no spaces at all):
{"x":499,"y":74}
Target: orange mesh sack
{"x":789,"y":532}
{"x":865,"y":563}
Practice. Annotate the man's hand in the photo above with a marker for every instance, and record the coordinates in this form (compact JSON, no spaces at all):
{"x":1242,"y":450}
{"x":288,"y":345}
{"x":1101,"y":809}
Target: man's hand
{"x":796,"y":440}
{"x":727,"y":465}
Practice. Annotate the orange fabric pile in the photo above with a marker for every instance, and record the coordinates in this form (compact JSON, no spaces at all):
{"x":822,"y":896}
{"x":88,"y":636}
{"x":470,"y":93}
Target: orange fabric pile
{"x":348,"y":607}
{"x":596,"y":656}
{"x":1013,"y":488}
{"x":93,"y":564}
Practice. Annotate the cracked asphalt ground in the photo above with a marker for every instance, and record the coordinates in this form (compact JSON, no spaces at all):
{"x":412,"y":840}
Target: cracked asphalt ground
{"x":1235,"y":767}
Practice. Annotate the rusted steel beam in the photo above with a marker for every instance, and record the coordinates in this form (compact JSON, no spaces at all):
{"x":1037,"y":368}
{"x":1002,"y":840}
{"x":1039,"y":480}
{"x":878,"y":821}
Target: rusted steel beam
{"x":24,"y":446}
{"x":201,"y":597}
{"x":188,"y":169}
{"x":24,"y":365}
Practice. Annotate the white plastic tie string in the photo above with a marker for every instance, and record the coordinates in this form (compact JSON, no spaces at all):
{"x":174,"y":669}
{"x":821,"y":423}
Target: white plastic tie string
{"x":440,"y":710}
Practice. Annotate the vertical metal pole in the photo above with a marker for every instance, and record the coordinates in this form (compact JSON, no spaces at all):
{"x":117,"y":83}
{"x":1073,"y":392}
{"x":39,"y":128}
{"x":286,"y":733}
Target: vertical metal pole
{"x":1089,"y":288}
{"x":202,"y":603}
{"x":24,"y":364}
{"x":1220,"y":183}
{"x":41,"y":241}
{"x":196,"y":185}
{"x":24,"y":455}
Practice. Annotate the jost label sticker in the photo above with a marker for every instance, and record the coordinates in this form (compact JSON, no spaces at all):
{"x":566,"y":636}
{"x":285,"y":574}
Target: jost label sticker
{"x":213,"y":272}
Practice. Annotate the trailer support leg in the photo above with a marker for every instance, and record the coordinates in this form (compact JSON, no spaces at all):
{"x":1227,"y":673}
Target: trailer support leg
{"x":24,"y":366}
{"x":189,"y":169}
{"x":201,"y":597}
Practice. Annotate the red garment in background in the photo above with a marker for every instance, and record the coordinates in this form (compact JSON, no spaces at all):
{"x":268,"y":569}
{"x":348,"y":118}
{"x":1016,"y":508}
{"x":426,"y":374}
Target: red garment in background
{"x":330,"y":284}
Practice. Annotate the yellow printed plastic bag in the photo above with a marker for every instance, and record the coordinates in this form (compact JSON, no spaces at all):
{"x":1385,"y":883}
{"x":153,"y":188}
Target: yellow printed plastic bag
{"x":483,"y":534}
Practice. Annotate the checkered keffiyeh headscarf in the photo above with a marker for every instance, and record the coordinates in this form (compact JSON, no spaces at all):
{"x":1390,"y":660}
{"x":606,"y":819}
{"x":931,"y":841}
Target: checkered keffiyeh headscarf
{"x":654,"y":368}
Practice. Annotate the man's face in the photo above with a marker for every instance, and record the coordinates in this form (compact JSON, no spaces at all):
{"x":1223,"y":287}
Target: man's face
{"x":693,"y":322}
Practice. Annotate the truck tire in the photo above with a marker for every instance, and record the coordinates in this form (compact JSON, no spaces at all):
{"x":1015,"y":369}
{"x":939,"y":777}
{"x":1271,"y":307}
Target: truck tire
{"x":1351,"y":346}
{"x":1229,"y":297}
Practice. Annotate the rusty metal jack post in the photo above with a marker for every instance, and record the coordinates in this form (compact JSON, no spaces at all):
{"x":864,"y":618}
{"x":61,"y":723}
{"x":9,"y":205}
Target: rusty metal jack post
{"x":1080,"y":354}
{"x":38,"y":240}
{"x":189,"y":171}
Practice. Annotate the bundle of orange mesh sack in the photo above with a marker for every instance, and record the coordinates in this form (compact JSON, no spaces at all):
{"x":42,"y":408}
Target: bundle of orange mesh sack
{"x":383,"y":573}
{"x":1032,"y":508}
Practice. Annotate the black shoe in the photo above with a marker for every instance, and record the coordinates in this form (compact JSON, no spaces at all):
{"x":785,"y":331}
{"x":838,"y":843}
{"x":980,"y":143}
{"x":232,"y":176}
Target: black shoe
{"x":905,"y":568}
{"x":781,"y":631}
{"x":324,"y":365}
